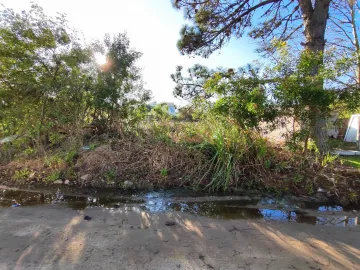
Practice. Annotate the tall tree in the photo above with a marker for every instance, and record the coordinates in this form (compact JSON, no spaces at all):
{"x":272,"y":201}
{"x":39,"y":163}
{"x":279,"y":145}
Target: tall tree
{"x":41,"y":60}
{"x":214,"y":22}
{"x":118,"y":87}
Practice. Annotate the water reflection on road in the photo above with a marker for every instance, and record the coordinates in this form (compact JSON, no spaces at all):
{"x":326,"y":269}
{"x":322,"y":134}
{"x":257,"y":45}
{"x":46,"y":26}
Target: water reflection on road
{"x":266,"y":209}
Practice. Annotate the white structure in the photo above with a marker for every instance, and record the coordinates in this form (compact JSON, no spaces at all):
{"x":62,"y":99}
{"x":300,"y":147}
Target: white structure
{"x":352,"y":132}
{"x":171,"y":106}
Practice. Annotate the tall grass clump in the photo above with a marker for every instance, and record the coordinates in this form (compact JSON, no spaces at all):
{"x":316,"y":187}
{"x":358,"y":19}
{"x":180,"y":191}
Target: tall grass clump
{"x":234,"y":154}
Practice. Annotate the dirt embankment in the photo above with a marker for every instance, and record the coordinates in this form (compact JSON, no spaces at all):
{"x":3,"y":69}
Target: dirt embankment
{"x":144,"y":164}
{"x":135,"y":164}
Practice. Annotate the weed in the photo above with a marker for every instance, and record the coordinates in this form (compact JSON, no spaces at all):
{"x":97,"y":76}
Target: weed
{"x":53,"y":176}
{"x":29,"y":151}
{"x":70,"y":173}
{"x":70,"y":156}
{"x":312,"y":147}
{"x":328,"y":159}
{"x":222,"y":161}
{"x":309,"y":188}
{"x":110,"y":175}
{"x":56,"y":138}
{"x":230,"y":150}
{"x":353,"y":196}
{"x":21,"y":174}
{"x":54,"y":161}
{"x":298,"y":178}
{"x":267,"y":164}
{"x":164,"y":172}
{"x":92,"y":146}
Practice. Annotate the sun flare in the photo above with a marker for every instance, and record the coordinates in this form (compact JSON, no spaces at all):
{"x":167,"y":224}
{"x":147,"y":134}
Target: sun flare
{"x":100,"y":59}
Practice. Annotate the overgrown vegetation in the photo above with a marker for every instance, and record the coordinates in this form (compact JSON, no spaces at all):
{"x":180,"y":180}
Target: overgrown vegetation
{"x":52,"y":88}
{"x":66,"y":117}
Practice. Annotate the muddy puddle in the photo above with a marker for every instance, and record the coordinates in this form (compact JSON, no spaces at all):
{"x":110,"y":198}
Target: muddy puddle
{"x":220,"y":207}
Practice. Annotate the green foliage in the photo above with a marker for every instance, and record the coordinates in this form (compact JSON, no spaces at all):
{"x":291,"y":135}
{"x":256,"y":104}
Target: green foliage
{"x":22,"y":174}
{"x":309,"y":187}
{"x":70,"y":156}
{"x":135,"y":116}
{"x":298,"y":178}
{"x":186,"y":113}
{"x":312,"y":147}
{"x":29,"y":151}
{"x":92,"y":146}
{"x":44,"y":50}
{"x":353,"y":197}
{"x":54,"y":161}
{"x":160,"y":112}
{"x":191,"y":86}
{"x":267,"y":164}
{"x":296,"y":83}
{"x":212,"y":23}
{"x":229,"y":148}
{"x":297,"y":90}
{"x":118,"y":90}
{"x":241,"y":96}
{"x":110,"y":175}
{"x":51,"y":86}
{"x":164,"y":172}
{"x":56,"y":138}
{"x":53,"y":176}
{"x":328,"y":159}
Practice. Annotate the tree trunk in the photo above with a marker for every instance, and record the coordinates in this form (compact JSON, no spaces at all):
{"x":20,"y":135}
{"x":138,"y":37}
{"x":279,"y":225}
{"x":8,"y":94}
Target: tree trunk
{"x":320,"y":134}
{"x":314,"y":20}
{"x":40,"y":131}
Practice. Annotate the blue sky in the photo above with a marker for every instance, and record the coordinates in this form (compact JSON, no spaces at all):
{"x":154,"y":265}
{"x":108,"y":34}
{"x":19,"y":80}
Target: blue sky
{"x":153,"y":28}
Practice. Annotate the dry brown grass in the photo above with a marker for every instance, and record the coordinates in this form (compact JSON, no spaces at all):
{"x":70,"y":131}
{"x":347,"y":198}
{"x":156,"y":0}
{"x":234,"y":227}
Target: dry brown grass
{"x":144,"y":163}
{"x":33,"y":169}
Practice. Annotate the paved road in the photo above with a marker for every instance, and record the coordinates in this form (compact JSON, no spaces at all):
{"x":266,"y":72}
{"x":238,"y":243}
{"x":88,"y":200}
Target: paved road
{"x":53,"y":237}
